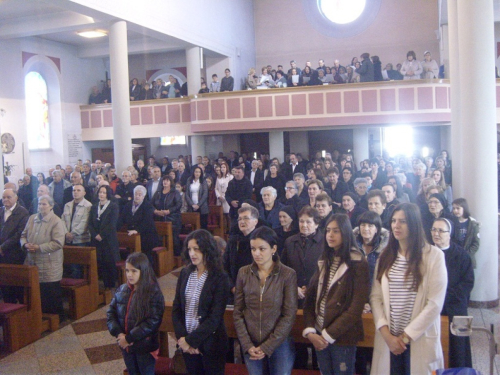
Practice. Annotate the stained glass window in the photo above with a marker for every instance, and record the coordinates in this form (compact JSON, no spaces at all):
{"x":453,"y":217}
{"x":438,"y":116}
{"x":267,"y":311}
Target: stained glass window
{"x":342,"y":11}
{"x":37,"y":111}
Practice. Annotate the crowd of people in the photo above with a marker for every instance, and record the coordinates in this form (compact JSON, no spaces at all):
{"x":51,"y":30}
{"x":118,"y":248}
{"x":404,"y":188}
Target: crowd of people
{"x":362,"y":69}
{"x":329,"y":236}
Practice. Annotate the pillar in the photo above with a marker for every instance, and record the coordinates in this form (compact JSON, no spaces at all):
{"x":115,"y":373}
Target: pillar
{"x":478,"y":133}
{"x":193,"y":67}
{"x":276,"y":145}
{"x":454,"y":75}
{"x":197,"y":146}
{"x":360,"y":145}
{"x":299,"y":143}
{"x":118,"y":56}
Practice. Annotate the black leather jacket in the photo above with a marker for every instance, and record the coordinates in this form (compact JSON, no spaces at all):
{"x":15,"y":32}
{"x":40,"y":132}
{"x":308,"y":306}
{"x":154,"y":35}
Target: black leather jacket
{"x":143,"y":334}
{"x":172,"y":202}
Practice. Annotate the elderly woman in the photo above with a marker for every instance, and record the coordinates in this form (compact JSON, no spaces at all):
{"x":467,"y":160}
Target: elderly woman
{"x":269,"y":208}
{"x":43,"y":239}
{"x":288,"y":226}
{"x":438,"y":208}
{"x":137,"y":215}
{"x":103,"y":222}
{"x":167,"y":203}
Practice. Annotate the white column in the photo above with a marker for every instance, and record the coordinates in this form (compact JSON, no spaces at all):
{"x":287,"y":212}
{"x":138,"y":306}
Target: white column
{"x":197,"y":146}
{"x":454,"y":74}
{"x":360,"y":145}
{"x":276,"y":146}
{"x":193,"y":67}
{"x":479,"y":134}
{"x":118,"y":56}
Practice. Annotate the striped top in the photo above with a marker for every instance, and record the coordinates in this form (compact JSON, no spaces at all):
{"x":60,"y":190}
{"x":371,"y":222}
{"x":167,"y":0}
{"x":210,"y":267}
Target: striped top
{"x":193,"y":290}
{"x":401,"y":296}
{"x":324,"y":294}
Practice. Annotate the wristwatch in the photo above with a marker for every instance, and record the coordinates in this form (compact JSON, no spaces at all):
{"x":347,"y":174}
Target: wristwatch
{"x":406,"y":339}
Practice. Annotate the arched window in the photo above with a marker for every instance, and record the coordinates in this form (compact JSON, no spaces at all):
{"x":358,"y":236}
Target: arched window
{"x":37,"y":111}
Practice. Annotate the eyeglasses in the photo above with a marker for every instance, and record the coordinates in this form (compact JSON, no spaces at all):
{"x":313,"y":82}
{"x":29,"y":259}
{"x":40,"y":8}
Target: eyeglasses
{"x":289,"y":188}
{"x":440,"y":231}
{"x":245,"y":218}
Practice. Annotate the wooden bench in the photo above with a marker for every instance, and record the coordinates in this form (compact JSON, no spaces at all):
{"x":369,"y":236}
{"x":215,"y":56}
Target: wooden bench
{"x":368,"y":325}
{"x":128,"y":244}
{"x":190,"y":222}
{"x":22,"y":324}
{"x":220,"y":228}
{"x":165,"y":257}
{"x":83,"y":294}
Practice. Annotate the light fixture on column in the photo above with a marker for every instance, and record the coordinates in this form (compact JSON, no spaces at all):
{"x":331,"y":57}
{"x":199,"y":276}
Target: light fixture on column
{"x":201,"y":58}
{"x":92,"y":33}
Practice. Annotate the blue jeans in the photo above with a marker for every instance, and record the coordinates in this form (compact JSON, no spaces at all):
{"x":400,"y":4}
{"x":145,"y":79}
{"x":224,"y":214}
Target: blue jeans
{"x":279,"y":363}
{"x":337,"y":360}
{"x":139,"y":364}
{"x":400,"y":364}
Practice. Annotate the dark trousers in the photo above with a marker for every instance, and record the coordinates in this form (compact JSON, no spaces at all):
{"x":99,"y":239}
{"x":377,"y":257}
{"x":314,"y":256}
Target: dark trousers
{"x":203,"y":220}
{"x":108,"y":273}
{"x":460,"y":352}
{"x":176,"y":231}
{"x":400,"y":364}
{"x":197,"y":364}
{"x":139,"y":364}
{"x":51,"y":297}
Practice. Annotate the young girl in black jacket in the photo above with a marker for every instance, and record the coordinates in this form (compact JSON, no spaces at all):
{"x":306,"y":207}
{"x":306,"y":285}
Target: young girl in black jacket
{"x":135,"y":315}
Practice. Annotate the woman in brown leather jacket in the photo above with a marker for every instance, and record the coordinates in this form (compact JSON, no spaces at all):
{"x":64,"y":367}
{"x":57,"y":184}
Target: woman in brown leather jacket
{"x":265,"y":307}
{"x":335,"y":299}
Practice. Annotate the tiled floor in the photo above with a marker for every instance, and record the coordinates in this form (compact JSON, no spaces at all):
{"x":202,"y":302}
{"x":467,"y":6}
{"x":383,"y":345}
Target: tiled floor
{"x":85,"y":346}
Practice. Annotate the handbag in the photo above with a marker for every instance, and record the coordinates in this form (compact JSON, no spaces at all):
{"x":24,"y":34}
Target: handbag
{"x":179,"y":364}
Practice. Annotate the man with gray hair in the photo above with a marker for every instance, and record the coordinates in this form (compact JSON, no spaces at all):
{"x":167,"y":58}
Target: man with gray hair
{"x":56,"y":187}
{"x":300,"y":181}
{"x":13,"y":219}
{"x":238,"y":253}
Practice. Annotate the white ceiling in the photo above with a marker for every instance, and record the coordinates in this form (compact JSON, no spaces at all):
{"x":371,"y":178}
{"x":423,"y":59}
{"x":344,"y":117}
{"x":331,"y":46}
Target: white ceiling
{"x":59,"y":21}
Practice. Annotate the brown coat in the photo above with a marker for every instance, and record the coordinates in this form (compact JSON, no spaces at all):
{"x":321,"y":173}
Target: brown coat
{"x":265,"y":319}
{"x":347,"y":296}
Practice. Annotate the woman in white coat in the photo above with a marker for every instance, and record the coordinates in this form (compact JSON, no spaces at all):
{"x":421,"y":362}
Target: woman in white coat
{"x":221,"y":187}
{"x":407,"y":297}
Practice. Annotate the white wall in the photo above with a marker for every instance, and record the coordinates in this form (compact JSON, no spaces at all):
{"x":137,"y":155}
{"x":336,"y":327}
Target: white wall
{"x":75,"y":80}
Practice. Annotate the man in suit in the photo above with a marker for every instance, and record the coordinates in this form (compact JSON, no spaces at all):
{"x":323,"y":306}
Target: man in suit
{"x":13,"y":219}
{"x":154,"y":184}
{"x":256,"y":177}
{"x":293,"y":167}
{"x":238,"y":190}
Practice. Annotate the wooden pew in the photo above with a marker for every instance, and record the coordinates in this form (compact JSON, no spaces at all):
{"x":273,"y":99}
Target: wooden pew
{"x":83,"y":293}
{"x":298,"y":327}
{"x":132,"y":244}
{"x":164,"y":259}
{"x":220,"y":228}
{"x":21,"y":326}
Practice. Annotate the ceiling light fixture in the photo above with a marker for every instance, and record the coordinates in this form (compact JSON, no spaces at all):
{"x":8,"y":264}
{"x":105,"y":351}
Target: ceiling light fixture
{"x":92,"y":34}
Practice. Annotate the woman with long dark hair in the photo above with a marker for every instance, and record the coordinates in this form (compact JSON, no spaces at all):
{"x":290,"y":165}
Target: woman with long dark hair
{"x":265,"y":306}
{"x":197,"y":195}
{"x":335,"y":299}
{"x":199,"y":305}
{"x":135,"y":315}
{"x":407,"y":298}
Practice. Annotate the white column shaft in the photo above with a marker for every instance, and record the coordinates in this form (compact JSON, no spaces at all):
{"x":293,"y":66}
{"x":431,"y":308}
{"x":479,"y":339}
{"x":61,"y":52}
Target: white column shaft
{"x":276,"y":146}
{"x":360,"y":145}
{"x":193,"y":67}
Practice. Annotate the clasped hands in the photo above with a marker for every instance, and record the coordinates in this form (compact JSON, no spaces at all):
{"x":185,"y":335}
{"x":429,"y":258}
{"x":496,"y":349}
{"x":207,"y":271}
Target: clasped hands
{"x":185,"y":346}
{"x":122,"y":343}
{"x":256,"y":353}
{"x":395,"y":343}
{"x":31,"y":247}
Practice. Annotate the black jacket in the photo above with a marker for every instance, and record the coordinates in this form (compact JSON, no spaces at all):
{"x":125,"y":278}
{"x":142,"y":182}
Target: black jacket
{"x":366,"y":71}
{"x":10,"y":234}
{"x":303,"y":259}
{"x":258,"y":182}
{"x":126,"y":193}
{"x":210,"y":337}
{"x":338,"y":192}
{"x":238,"y":190}
{"x":356,"y":213}
{"x":460,"y":281}
{"x":172,"y":201}
{"x":237,"y":255}
{"x":106,"y":227}
{"x":135,"y":92}
{"x":289,"y":171}
{"x":142,"y":221}
{"x":227,"y":84}
{"x":143,"y":334}
{"x":278,"y":183}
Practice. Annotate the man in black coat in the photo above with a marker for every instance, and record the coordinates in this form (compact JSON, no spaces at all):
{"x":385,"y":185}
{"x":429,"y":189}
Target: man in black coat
{"x":293,"y":167}
{"x":460,"y":284}
{"x":137,"y":215}
{"x":13,"y":219}
{"x":239,"y":189}
{"x":256,"y":177}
